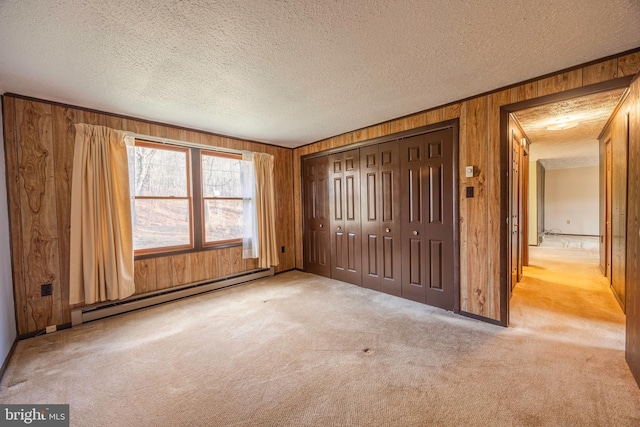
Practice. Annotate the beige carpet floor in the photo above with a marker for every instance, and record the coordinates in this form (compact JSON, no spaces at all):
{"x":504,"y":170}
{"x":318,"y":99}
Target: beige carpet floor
{"x":301,"y":350}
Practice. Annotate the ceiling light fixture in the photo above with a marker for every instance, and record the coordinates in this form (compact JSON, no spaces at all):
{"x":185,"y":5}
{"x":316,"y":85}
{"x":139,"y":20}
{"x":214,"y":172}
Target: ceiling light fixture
{"x":562,"y":124}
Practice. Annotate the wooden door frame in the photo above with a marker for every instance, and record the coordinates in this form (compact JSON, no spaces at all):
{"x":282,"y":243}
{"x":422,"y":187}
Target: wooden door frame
{"x":619,"y":83}
{"x":608,"y":211}
{"x":445,"y":124}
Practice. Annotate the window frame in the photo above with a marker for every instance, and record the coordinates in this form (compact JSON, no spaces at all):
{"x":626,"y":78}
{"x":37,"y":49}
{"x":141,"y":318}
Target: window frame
{"x":189,"y":197}
{"x":197,"y":231}
{"x":215,"y":243}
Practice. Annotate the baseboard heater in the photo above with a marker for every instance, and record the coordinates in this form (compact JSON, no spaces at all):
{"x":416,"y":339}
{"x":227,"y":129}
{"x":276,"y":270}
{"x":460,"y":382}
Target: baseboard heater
{"x":136,"y":302}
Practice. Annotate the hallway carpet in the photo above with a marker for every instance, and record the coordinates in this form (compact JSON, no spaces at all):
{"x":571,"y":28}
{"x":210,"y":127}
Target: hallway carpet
{"x":301,"y":350}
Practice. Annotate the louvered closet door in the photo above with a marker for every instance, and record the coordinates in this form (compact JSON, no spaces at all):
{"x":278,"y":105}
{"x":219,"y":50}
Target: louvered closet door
{"x":344,"y":197}
{"x":427,"y":205}
{"x":381,"y":237}
{"x":316,"y":216}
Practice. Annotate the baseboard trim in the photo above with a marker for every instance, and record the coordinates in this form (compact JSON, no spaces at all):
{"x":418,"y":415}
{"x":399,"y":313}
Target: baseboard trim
{"x":482,"y":318}
{"x":112,"y":308}
{"x":615,"y":294}
{"x":42,"y":331}
{"x":8,"y":358}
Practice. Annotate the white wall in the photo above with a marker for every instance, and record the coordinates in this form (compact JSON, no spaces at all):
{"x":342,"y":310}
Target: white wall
{"x":533,"y":205}
{"x":571,"y":195}
{"x":7,"y":310}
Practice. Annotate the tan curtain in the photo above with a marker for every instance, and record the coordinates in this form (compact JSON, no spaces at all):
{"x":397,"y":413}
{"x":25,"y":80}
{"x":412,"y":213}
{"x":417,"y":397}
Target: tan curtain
{"x":266,"y":210}
{"x":101,"y":232}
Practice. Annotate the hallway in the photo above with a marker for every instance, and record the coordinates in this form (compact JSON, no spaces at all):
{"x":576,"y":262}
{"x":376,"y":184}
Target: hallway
{"x":563,"y":293}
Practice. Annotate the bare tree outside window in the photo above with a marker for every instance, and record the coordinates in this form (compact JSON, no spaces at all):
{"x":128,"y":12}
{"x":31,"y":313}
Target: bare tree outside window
{"x":162,"y":205}
{"x":222,"y":197}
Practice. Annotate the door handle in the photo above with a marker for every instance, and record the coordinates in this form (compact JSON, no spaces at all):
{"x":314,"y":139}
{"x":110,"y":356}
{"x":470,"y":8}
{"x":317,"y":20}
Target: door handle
{"x":415,"y":233}
{"x":339,"y":228}
{"x":387,"y":229}
{"x":321,"y":225}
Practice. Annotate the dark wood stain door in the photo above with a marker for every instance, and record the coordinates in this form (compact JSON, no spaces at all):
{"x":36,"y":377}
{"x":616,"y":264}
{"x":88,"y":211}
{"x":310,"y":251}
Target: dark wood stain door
{"x":427,"y":205}
{"x":344,"y":207}
{"x":514,"y":209}
{"x":316,"y":216}
{"x":380,"y":203}
{"x":608,"y":209}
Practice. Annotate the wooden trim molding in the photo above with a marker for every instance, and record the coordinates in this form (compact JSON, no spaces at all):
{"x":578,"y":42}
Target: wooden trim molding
{"x":453,"y":123}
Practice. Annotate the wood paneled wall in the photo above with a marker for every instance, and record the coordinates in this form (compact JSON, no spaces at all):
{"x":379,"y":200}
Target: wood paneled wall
{"x":39,"y":141}
{"x":617,"y":132}
{"x":633,"y":234}
{"x":479,"y":146}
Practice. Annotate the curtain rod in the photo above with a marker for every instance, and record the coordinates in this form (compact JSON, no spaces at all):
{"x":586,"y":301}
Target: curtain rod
{"x":185,"y":144}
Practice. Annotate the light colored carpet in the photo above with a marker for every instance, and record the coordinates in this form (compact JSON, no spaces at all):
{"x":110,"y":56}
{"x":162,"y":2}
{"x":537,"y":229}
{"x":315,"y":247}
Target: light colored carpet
{"x":588,"y":243}
{"x":301,"y":350}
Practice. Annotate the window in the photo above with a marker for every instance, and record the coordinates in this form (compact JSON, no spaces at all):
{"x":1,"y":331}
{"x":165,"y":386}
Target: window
{"x":162,"y":208}
{"x":222,"y":198}
{"x":184,"y":198}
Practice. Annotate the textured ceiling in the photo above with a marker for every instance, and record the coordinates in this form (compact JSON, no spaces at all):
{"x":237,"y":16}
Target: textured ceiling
{"x":574,"y":147}
{"x":291,"y":72}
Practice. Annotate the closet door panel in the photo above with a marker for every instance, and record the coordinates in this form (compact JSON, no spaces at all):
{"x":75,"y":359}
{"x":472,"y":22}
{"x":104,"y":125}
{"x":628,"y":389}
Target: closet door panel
{"x":346,"y":257}
{"x":439,"y":227}
{"x":412,"y":159}
{"x":390,"y":221}
{"x":370,"y":192}
{"x":316,"y":215}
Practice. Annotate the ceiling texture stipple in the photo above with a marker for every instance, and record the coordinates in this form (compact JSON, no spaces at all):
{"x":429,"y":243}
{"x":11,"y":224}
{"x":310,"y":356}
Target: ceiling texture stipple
{"x":294,"y":71}
{"x":577,"y":146}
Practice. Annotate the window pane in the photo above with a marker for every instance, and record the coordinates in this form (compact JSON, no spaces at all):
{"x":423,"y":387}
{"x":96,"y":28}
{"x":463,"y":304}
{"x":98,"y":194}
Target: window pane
{"x":222,"y":220}
{"x":220,"y":176}
{"x":160,"y":172}
{"x":160,"y":223}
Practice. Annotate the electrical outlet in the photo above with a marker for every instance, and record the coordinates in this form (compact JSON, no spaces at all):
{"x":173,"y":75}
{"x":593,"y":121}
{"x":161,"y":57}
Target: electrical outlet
{"x":46,"y":290}
{"x":51,"y":329}
{"x":469,"y":192}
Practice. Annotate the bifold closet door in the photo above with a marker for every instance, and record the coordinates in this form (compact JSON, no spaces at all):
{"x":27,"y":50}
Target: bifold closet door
{"x":427,"y":205}
{"x":344,"y":208}
{"x":380,"y":210}
{"x":316,"y":216}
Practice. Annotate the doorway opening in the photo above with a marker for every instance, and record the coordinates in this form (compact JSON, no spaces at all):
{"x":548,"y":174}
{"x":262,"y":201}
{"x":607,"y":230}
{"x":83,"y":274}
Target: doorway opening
{"x":559,"y":193}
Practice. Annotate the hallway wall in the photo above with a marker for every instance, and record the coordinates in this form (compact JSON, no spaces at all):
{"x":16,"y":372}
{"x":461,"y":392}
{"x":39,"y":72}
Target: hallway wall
{"x":633,"y":234}
{"x":571,"y":200}
{"x":617,"y":133}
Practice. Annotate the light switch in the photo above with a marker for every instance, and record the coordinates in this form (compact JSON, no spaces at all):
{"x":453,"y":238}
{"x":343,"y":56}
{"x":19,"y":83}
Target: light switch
{"x":469,"y":171}
{"x":469,"y":192}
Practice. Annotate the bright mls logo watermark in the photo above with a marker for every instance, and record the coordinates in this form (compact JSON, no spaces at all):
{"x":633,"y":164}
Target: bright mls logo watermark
{"x":34,"y":415}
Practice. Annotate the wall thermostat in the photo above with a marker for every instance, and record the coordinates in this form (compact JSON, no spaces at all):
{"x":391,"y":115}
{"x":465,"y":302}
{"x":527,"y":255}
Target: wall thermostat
{"x":469,"y":171}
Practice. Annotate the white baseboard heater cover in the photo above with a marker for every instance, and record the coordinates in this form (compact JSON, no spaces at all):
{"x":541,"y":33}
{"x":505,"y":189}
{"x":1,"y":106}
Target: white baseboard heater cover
{"x":87,"y":314}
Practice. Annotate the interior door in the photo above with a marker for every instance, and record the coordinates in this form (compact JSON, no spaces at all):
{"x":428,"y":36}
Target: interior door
{"x":524,"y":217}
{"x":381,"y":237}
{"x":514,"y":184}
{"x":344,"y":207}
{"x":412,"y":161}
{"x":428,"y":216}
{"x":521,"y":206}
{"x":316,"y":216}
{"x":540,"y":171}
{"x":608,"y":208}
